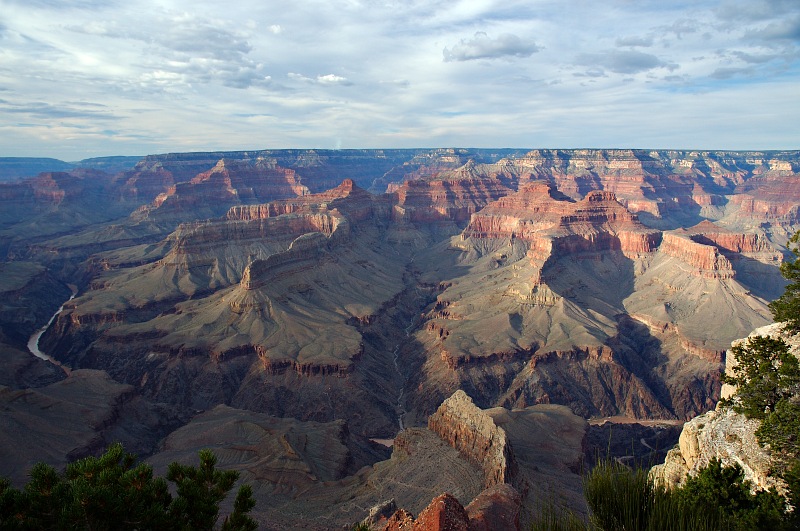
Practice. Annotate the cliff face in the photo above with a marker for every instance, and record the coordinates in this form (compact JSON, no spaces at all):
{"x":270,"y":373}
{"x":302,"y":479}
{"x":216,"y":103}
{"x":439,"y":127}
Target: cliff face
{"x":453,"y":200}
{"x":568,"y":280}
{"x":725,"y":435}
{"x":474,"y":434}
{"x":535,"y":260}
{"x":706,"y":260}
{"x":228,"y":183}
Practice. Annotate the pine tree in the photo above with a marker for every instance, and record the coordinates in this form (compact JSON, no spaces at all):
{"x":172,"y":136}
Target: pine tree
{"x":200,"y":490}
{"x":112,"y":492}
{"x":786,"y":308}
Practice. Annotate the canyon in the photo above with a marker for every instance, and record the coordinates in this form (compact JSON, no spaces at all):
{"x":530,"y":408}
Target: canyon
{"x":287,"y":308}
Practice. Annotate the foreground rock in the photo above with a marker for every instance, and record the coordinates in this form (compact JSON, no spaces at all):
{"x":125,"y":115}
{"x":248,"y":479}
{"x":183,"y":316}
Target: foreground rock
{"x":475,"y":435}
{"x":495,"y":508}
{"x":545,"y":470}
{"x":725,"y":435}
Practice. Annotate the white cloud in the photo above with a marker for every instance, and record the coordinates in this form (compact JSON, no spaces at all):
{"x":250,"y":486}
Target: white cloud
{"x":214,"y":76}
{"x":481,"y":46}
{"x":326,"y":79}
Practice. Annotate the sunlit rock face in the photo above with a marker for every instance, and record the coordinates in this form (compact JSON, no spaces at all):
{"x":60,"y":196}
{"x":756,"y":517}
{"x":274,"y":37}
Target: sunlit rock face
{"x":725,"y":435}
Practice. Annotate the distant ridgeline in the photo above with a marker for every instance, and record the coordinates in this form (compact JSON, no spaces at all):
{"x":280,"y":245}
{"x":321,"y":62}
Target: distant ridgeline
{"x":356,"y":163}
{"x":12,"y":168}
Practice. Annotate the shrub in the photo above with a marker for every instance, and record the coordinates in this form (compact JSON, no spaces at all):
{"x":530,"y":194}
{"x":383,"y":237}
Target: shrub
{"x":716,"y":498}
{"x":112,"y":492}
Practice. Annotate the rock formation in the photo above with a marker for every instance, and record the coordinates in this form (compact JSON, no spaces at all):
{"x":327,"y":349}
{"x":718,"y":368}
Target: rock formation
{"x":497,"y":507}
{"x":724,"y":434}
{"x":475,"y":435}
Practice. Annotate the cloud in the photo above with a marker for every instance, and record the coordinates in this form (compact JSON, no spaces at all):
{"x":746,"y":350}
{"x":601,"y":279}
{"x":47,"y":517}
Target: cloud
{"x":644,"y":42}
{"x":184,"y":49}
{"x":326,"y":79}
{"x":754,"y":59}
{"x":64,"y":110}
{"x":784,"y":29}
{"x":755,"y":10}
{"x":729,"y":72}
{"x":156,"y":68}
{"x":623,"y":61}
{"x":682,"y":27}
{"x":481,"y":46}
{"x":94,"y":5}
{"x":333,"y":79}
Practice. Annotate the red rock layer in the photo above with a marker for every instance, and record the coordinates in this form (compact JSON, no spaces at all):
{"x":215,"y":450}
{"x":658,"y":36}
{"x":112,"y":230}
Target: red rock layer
{"x":356,"y":203}
{"x":444,"y":513}
{"x":228,"y":182}
{"x":706,"y":260}
{"x":496,"y":508}
{"x":201,"y":238}
{"x":145,"y":182}
{"x":453,"y":199}
{"x":725,"y":240}
{"x":551,"y":224}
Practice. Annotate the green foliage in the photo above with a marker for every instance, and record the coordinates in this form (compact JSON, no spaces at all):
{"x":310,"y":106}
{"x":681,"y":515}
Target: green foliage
{"x":716,"y":498}
{"x":551,"y":518}
{"x":766,"y":374}
{"x":112,"y":492}
{"x":786,"y":308}
{"x":767,"y":380}
{"x":781,"y":430}
{"x":792,"y":479}
{"x":619,"y":498}
{"x":200,"y":490}
{"x":723,"y":493}
{"x":239,"y":520}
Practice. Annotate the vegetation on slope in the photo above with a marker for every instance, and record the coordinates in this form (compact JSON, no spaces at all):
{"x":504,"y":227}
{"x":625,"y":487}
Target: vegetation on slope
{"x":113,"y":492}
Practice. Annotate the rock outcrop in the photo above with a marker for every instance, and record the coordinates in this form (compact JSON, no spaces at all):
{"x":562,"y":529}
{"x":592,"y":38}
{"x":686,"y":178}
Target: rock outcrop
{"x":552,"y":223}
{"x":706,"y":260}
{"x":495,"y":508}
{"x":721,"y":434}
{"x":474,"y":434}
{"x":450,"y":200}
{"x":725,"y":435}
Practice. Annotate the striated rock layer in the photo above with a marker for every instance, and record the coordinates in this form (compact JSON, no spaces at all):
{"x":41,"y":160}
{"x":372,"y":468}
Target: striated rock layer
{"x":475,"y":435}
{"x":578,"y":302}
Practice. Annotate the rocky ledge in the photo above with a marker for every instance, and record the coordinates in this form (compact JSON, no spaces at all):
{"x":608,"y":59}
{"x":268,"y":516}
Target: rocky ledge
{"x":724,"y":434}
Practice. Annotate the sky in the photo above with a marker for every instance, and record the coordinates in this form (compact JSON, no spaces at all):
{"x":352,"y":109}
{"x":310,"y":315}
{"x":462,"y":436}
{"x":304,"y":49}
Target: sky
{"x":86,"y":78}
